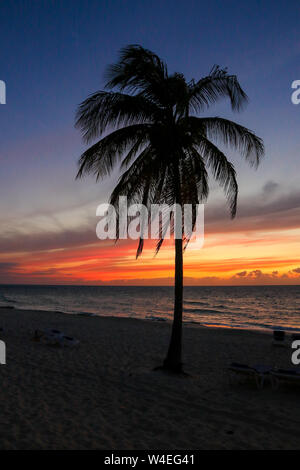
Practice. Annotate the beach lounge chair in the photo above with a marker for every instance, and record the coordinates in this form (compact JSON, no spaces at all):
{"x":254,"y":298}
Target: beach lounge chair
{"x":284,"y":375}
{"x":54,"y":338}
{"x":279,"y":338}
{"x":257,"y":372}
{"x":69,"y":341}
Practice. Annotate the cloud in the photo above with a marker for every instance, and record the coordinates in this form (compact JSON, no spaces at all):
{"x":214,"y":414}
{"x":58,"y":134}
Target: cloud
{"x":255,"y":277}
{"x":16,"y":273}
{"x":75,"y":255}
{"x":48,"y":240}
{"x":7,"y":267}
{"x":259,"y":277}
{"x":241,"y":274}
{"x":270,"y":187}
{"x":257,"y":214}
{"x":256,"y":273}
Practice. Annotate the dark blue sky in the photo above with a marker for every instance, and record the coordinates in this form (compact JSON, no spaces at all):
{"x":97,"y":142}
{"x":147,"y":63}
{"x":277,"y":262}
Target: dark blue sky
{"x":53,"y":54}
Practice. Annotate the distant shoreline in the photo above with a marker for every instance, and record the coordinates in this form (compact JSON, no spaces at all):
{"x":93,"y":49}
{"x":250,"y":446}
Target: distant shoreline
{"x":186,"y":323}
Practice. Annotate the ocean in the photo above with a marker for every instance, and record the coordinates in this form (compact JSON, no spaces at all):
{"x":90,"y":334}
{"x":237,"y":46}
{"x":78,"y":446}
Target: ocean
{"x":251,"y":307}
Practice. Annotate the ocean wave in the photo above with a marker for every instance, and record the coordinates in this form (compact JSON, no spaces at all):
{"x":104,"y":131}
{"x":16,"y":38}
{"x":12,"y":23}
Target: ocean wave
{"x":154,"y":318}
{"x":4,"y":298}
{"x":194,"y":302}
{"x":201,"y":310}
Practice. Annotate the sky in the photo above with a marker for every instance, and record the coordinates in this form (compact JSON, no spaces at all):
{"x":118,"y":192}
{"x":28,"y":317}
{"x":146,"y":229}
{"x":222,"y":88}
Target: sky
{"x":54,"y":54}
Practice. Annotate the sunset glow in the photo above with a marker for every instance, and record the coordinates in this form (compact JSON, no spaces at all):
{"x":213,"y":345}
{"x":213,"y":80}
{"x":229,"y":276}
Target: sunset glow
{"x":230,"y":258}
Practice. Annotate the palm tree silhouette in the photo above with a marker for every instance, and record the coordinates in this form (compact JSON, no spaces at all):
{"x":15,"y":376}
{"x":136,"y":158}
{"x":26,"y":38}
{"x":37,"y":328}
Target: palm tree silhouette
{"x":163,"y":148}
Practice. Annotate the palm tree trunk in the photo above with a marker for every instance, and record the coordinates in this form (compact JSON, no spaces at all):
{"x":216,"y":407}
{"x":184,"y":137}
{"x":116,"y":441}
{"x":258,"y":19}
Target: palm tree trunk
{"x":173,"y":359}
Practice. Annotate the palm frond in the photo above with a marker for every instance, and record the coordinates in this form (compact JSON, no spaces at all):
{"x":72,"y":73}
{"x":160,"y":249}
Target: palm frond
{"x":195,"y":187}
{"x":104,"y":110}
{"x":218,"y":84}
{"x":194,"y":178}
{"x":232,"y":134}
{"x":137,"y":69}
{"x":101,"y":157}
{"x":144,"y":220}
{"x":222,"y":170}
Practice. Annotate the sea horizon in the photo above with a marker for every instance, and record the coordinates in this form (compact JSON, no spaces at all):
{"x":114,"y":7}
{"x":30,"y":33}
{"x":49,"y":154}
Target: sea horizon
{"x":149,"y":285}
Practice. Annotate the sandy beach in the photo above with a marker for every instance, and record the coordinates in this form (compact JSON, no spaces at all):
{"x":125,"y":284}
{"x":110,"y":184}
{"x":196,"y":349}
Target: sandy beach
{"x":103,"y":394}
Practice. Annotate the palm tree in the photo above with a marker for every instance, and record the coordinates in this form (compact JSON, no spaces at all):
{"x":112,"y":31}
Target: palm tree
{"x":148,"y":123}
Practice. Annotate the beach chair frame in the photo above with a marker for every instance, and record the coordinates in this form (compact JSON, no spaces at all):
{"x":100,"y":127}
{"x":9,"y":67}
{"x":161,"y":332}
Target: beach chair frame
{"x":255,"y":373}
{"x":281,"y":375}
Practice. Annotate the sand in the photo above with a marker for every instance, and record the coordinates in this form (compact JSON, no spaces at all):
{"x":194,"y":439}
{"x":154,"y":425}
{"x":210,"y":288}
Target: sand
{"x":104,"y":394}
